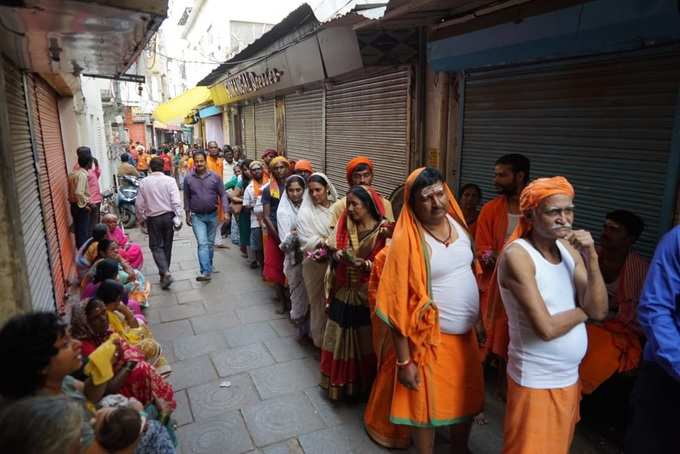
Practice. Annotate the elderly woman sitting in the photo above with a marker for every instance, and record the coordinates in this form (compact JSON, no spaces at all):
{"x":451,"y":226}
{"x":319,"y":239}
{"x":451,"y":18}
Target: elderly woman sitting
{"x":121,"y":366}
{"x":123,"y":322}
{"x":130,"y":252}
{"x":133,"y":280}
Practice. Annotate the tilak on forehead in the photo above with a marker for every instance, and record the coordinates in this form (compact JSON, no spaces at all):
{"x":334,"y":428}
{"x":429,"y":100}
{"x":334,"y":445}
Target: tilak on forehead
{"x":433,"y":189}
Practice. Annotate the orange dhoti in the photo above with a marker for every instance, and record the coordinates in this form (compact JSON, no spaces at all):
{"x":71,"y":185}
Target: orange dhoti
{"x":540,"y":421}
{"x":451,"y":391}
{"x":612,"y":347}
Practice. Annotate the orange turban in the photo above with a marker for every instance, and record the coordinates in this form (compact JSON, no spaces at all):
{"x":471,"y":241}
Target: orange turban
{"x":354,"y":163}
{"x":277,"y":160}
{"x":304,"y":165}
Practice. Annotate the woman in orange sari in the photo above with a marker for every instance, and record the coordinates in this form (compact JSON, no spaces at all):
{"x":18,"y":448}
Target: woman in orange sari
{"x":429,"y":371}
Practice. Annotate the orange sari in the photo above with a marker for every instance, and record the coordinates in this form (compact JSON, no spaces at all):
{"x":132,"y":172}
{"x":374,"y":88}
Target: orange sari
{"x":452,"y":385}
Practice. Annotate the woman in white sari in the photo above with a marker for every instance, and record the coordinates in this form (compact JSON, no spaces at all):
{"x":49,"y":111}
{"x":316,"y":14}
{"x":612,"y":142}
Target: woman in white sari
{"x":313,"y":228}
{"x":286,"y":219}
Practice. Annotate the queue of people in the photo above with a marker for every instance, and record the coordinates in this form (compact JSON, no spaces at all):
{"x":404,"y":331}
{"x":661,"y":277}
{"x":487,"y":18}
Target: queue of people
{"x":405,"y":304}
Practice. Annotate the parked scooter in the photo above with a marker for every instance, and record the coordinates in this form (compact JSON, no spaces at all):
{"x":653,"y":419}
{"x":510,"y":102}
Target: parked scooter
{"x":128,"y":186}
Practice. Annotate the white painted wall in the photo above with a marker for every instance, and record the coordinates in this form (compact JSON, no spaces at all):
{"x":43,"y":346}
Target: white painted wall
{"x":92,"y":127}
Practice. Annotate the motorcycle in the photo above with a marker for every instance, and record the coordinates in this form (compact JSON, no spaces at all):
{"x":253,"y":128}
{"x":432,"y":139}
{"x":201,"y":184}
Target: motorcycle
{"x":128,"y":186}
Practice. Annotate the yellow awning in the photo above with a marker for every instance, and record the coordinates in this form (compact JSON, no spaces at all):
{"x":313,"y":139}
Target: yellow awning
{"x":179,"y":107}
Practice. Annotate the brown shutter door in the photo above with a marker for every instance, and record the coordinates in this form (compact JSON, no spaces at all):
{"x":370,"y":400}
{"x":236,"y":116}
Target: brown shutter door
{"x":265,"y":127}
{"x":58,"y":178}
{"x":46,"y":196}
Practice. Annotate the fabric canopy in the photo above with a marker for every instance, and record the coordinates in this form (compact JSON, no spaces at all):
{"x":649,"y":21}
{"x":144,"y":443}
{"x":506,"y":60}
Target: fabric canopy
{"x":179,"y":107}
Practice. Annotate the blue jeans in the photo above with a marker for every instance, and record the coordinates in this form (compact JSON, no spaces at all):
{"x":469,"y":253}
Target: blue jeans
{"x":204,"y":227}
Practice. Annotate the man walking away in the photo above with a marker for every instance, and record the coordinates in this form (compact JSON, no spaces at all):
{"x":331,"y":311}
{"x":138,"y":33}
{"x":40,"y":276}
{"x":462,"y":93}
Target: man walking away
{"x":653,"y":423}
{"x":203,"y":191}
{"x":550,"y":283}
{"x":158,"y":203}
{"x":79,"y":198}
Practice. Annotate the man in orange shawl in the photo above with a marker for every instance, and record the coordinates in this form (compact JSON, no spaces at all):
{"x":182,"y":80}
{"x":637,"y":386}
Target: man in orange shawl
{"x":497,"y":219}
{"x":426,"y":378}
{"x":359,"y":172}
{"x":614,"y":345}
{"x":215,"y":164}
{"x":252,"y":199}
{"x":550,"y":282}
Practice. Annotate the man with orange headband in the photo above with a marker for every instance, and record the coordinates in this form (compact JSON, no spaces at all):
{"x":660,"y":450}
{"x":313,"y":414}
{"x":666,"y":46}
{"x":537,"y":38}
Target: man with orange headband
{"x":550,"y":282}
{"x":304,"y":168}
{"x":359,"y":173}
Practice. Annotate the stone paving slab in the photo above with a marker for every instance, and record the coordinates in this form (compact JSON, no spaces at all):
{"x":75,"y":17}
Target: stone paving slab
{"x":215,"y":322}
{"x":210,"y":400}
{"x":249,"y":334}
{"x":335,"y":413}
{"x":288,"y":348}
{"x":224,"y":434}
{"x":286,"y":378}
{"x":199,"y":345}
{"x":192,"y":372}
{"x":281,"y":418}
{"x":180,"y":312}
{"x":172,"y":330}
{"x":346,"y":438}
{"x":258,"y":314}
{"x":291,"y":446}
{"x":283,"y":327}
{"x":182,"y":414}
{"x":241,"y":359}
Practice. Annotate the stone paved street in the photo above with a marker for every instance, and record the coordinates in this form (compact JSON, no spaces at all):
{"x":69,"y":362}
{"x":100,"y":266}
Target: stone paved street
{"x":227,"y":333}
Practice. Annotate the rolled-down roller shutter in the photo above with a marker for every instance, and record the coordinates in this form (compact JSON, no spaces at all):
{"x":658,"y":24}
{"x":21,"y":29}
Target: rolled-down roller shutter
{"x":369,"y":116}
{"x":248,"y":113}
{"x":55,"y":158}
{"x":34,"y":244}
{"x":605,"y":124}
{"x":46,"y":197}
{"x":265,"y":126}
{"x":304,"y":135}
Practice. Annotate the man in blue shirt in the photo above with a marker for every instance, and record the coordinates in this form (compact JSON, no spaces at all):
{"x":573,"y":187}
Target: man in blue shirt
{"x":655,"y":402}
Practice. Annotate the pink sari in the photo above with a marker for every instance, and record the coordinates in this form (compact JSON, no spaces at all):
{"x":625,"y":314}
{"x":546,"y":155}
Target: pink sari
{"x":131,"y":252}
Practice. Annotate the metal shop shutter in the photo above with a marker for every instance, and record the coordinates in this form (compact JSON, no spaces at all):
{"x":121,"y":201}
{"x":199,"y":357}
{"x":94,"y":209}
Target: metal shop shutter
{"x":369,"y":116}
{"x":265,"y":126}
{"x":58,"y":179}
{"x":249,"y":131}
{"x":46,"y":198}
{"x":26,"y":179}
{"x":304,"y":135}
{"x":605,"y":124}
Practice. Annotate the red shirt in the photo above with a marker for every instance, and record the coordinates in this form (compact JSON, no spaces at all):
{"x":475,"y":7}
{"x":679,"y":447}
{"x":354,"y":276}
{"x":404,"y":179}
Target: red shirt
{"x":167,"y":162}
